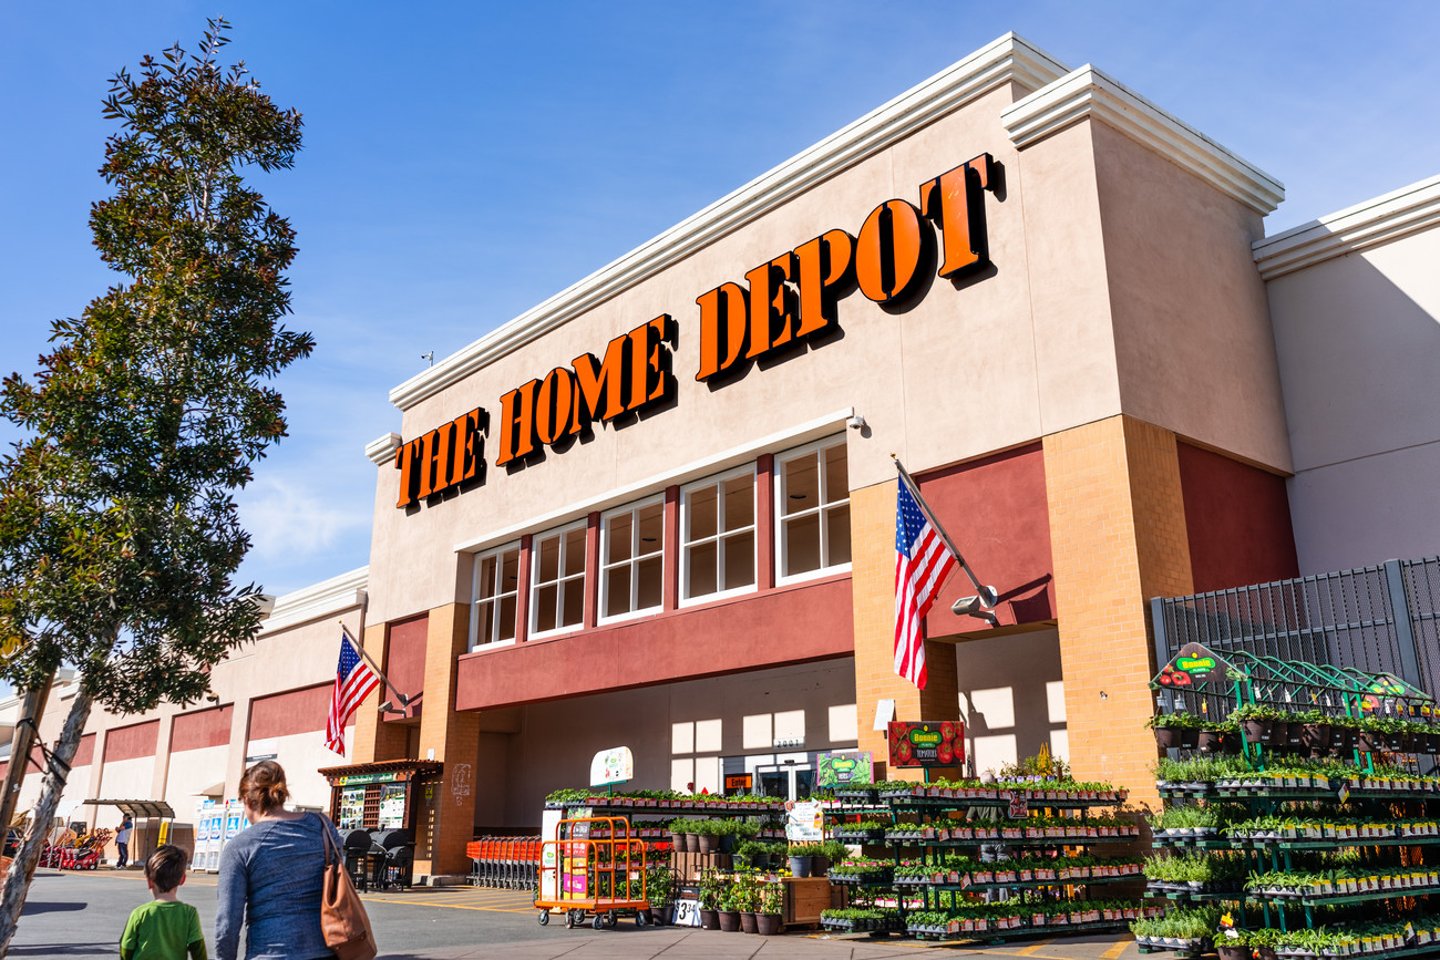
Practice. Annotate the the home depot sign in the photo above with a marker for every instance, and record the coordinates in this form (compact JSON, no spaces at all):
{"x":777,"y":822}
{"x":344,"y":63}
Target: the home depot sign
{"x":782,"y":303}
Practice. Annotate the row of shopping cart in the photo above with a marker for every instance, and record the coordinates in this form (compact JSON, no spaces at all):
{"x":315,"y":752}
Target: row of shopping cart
{"x":506,"y":863}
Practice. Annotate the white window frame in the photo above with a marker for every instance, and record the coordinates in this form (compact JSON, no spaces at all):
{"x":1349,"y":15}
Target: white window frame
{"x":533,"y":617}
{"x":782,"y":496}
{"x":719,"y":536}
{"x":497,"y":598}
{"x":633,"y":562}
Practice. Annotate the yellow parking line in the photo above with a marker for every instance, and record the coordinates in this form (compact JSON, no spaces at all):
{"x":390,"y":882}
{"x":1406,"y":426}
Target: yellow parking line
{"x":1033,"y":949}
{"x":1114,"y":952}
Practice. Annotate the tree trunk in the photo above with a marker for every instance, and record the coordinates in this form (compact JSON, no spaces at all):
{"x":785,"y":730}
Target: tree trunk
{"x":22,"y":870}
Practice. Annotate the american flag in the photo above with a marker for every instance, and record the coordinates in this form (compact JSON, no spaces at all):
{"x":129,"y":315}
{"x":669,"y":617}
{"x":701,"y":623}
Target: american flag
{"x":354,"y":679}
{"x":922,"y":562}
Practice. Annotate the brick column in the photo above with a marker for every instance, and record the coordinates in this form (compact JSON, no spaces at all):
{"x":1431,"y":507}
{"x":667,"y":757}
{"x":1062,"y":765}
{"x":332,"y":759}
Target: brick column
{"x":374,"y":739}
{"x":454,"y":738}
{"x":1117,"y":530}
{"x":872,"y":548}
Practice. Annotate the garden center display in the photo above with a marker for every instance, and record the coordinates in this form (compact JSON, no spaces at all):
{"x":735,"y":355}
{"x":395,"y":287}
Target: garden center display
{"x":972,"y":860}
{"x":1304,"y":827}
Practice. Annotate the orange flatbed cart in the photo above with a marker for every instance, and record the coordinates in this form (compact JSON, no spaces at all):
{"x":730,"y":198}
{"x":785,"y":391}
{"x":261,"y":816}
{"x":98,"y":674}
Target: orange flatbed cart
{"x":589,"y":870}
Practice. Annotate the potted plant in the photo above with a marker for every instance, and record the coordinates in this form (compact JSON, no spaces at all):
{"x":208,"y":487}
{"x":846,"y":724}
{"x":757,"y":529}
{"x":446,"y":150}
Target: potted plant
{"x":660,"y":888}
{"x":1214,"y":736}
{"x":769,"y":915}
{"x":1175,"y":729}
{"x":712,"y":891}
{"x":1258,"y":723}
{"x":802,"y":858}
{"x":831,"y":853}
{"x":729,"y":908}
{"x":747,"y":899}
{"x":708,"y":835}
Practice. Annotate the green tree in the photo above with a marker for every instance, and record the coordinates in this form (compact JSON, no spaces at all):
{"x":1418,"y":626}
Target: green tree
{"x":119,"y":535}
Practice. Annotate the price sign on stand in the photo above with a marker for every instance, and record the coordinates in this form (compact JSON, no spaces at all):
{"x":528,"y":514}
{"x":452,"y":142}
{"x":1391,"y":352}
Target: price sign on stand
{"x":687,"y":913}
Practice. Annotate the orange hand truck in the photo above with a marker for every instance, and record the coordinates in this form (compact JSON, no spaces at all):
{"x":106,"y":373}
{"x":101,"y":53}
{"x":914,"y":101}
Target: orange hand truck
{"x":593,"y":869}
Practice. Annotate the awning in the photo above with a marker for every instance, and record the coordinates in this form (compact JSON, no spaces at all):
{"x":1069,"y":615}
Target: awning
{"x":214,"y":790}
{"x":385,"y":771}
{"x":137,"y":808}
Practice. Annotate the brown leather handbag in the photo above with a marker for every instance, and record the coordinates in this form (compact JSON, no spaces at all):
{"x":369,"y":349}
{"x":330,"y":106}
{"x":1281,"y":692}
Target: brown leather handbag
{"x":343,"y":920}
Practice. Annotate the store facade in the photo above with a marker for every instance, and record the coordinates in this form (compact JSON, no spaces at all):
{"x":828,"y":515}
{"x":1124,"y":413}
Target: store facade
{"x":658,"y":510}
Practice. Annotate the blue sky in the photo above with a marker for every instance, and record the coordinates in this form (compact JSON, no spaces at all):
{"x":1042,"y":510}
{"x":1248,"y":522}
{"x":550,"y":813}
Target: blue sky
{"x":464,"y":161}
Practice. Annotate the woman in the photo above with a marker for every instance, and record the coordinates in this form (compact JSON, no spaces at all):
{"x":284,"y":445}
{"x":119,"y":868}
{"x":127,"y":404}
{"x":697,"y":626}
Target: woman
{"x":270,"y":876}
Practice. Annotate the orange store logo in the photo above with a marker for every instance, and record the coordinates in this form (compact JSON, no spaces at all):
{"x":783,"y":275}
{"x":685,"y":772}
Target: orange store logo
{"x":785,"y":302}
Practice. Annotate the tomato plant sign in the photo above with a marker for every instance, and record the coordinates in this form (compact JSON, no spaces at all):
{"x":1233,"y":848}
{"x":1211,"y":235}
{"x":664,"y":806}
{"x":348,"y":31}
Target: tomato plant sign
{"x":927,"y":743}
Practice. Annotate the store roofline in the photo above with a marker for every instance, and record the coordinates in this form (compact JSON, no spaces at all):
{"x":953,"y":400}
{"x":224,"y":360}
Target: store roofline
{"x":1090,"y":93}
{"x":1007,"y":59}
{"x":321,"y":599}
{"x":1367,"y":224}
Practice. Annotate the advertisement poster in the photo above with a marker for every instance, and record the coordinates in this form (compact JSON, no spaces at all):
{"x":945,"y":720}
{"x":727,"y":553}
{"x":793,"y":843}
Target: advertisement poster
{"x":838,"y":769}
{"x":805,"y":821}
{"x":927,"y":743}
{"x":615,"y":765}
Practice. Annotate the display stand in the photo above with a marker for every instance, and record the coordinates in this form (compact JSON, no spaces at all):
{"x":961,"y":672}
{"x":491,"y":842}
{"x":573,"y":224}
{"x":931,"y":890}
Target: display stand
{"x":1024,"y":869}
{"x":1318,"y":837}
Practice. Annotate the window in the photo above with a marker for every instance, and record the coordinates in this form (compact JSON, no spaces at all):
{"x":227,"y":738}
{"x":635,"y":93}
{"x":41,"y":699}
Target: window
{"x":632,"y":559}
{"x":813,"y":505}
{"x":557,"y":574}
{"x":717,"y":531}
{"x":492,"y":607}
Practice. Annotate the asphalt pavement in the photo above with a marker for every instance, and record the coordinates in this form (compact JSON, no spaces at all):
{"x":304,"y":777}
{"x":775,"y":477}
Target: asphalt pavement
{"x":79,"y":916}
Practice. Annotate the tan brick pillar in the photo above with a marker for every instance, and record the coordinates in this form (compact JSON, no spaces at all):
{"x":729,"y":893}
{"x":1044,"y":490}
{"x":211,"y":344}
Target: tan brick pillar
{"x":454,"y":738}
{"x":374,"y":739}
{"x":1118,"y":538}
{"x":872,"y":571}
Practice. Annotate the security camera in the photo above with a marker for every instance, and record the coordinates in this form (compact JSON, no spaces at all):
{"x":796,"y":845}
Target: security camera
{"x":974,"y":607}
{"x":856,"y":422}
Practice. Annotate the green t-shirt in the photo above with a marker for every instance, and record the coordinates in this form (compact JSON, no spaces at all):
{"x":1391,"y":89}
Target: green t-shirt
{"x":163,"y":930}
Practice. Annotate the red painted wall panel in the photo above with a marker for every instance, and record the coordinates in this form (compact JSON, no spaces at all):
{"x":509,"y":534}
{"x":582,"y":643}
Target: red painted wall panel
{"x":127,"y":743}
{"x":405,"y":661}
{"x":295,"y":711}
{"x":1237,"y":519}
{"x":995,"y":509}
{"x":201,"y":728}
{"x":807,"y":622}
{"x":85,"y":752}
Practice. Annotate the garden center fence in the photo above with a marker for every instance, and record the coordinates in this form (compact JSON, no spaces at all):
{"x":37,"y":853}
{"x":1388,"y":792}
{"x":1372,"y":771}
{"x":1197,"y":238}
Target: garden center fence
{"x":1384,"y":618}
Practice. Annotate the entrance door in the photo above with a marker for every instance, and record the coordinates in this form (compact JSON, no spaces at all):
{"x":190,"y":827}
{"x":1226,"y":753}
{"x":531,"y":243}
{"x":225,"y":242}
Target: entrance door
{"x":786,"y":781}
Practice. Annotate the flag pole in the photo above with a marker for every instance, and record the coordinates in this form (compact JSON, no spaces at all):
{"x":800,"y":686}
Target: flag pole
{"x":404,"y":700}
{"x":986,"y":594}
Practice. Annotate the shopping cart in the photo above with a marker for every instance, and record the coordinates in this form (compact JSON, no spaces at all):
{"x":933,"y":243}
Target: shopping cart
{"x":505,"y":863}
{"x":601,"y":879}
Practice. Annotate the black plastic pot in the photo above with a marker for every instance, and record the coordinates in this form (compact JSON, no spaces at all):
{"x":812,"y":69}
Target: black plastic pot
{"x":1210,"y":741}
{"x":1258,"y":731}
{"x":1167,"y":737}
{"x":801,"y":866}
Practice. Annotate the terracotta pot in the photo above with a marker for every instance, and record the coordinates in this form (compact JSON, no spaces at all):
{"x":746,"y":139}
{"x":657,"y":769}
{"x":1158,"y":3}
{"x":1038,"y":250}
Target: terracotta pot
{"x":1167,"y":737}
{"x":747,"y":922}
{"x":692,"y":843}
{"x":710,"y":919}
{"x":677,"y":840}
{"x":767,"y":924}
{"x":708,"y":843}
{"x":730,"y":921}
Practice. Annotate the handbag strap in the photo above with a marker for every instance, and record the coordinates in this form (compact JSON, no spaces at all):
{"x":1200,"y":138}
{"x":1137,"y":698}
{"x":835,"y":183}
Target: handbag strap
{"x":329,"y":841}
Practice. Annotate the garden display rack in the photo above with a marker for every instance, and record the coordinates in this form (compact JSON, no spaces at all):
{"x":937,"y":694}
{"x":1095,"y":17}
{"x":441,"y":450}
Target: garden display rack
{"x":1306,"y":842}
{"x":1042,"y":880}
{"x":602,"y":878}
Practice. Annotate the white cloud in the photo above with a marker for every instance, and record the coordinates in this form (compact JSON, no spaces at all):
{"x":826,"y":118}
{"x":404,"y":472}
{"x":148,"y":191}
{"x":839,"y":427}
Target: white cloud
{"x":289,"y":521}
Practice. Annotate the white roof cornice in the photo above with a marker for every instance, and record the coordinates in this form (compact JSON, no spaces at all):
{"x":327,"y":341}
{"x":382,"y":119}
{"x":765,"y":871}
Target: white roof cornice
{"x":1005,"y":60}
{"x":1365,"y":225}
{"x":1089,"y":93}
{"x":382,"y":449}
{"x":317,"y":600}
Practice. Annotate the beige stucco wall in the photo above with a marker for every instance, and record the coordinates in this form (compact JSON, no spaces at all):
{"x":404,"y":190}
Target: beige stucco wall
{"x":1193,"y":344}
{"x":1359,"y":346}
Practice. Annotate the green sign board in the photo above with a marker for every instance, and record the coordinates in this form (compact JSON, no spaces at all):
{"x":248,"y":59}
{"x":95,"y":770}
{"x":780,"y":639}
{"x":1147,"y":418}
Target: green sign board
{"x":838,"y":769}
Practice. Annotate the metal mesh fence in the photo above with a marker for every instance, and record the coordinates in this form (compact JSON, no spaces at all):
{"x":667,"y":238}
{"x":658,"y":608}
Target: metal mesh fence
{"x":1384,"y":618}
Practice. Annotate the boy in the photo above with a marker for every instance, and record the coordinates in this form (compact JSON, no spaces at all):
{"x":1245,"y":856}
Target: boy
{"x":164,"y":928}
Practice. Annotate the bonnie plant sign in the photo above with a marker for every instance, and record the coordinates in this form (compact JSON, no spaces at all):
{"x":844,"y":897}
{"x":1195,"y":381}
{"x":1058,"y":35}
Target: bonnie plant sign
{"x":926,"y":743}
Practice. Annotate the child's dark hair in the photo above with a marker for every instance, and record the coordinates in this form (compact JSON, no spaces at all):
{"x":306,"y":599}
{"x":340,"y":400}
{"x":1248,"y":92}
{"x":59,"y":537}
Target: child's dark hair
{"x":166,"y":867}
